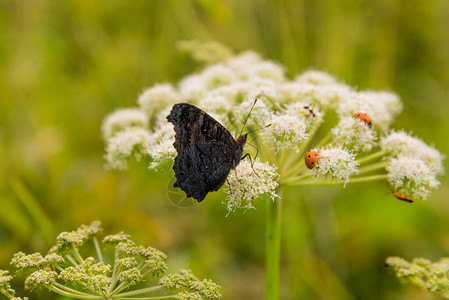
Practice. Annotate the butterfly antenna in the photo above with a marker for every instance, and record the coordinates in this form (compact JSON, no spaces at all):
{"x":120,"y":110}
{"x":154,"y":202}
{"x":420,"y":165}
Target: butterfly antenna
{"x":247,"y":117}
{"x":258,"y":129}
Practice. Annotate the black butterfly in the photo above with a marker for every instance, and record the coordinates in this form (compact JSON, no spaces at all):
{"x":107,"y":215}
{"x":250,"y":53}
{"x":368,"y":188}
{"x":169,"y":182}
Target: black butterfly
{"x":207,"y":152}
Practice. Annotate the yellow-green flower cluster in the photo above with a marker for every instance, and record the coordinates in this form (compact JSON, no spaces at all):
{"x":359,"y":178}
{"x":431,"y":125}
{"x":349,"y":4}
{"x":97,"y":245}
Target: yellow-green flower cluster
{"x":432,"y":276}
{"x":66,"y":272}
{"x":198,"y":288}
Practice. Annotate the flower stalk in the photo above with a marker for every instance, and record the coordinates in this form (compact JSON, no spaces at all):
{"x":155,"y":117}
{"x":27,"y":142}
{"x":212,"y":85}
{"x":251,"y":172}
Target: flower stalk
{"x":273,"y":245}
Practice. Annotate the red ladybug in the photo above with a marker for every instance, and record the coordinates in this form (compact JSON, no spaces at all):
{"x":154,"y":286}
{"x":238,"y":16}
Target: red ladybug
{"x":364,"y":117}
{"x":402,"y":197}
{"x":311,"y":158}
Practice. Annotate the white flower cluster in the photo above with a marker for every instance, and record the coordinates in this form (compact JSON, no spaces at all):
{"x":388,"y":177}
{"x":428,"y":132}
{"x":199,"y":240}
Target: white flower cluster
{"x":400,"y":143}
{"x":411,"y":177}
{"x":337,"y":163}
{"x":312,"y":115}
{"x":132,"y":142}
{"x":123,"y":118}
{"x":382,"y":107}
{"x":161,"y":149}
{"x":249,"y":182}
{"x":287,"y":131}
{"x":413,"y":167}
{"x":156,"y":98}
{"x":289,"y":112}
{"x":354,"y":133}
{"x":326,"y":94}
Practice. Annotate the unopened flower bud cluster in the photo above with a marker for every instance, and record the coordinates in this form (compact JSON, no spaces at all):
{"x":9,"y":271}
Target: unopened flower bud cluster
{"x":431,"y":276}
{"x":92,"y":277}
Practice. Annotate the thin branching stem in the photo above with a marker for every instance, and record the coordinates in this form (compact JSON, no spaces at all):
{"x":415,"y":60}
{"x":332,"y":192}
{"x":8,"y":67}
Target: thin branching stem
{"x":295,"y":157}
{"x":114,"y":274}
{"x":118,"y":289}
{"x":77,"y":254}
{"x":371,"y":156}
{"x":373,"y":167}
{"x":141,"y":291}
{"x":354,"y":180}
{"x":63,"y":287}
{"x":121,"y":287}
{"x":273,"y":246}
{"x":8,"y":295}
{"x":304,"y":147}
{"x":326,"y":139}
{"x":71,"y":295}
{"x":147,"y":298}
{"x":71,"y":259}
{"x":97,"y":249}
{"x":291,"y":179}
{"x":287,"y":167}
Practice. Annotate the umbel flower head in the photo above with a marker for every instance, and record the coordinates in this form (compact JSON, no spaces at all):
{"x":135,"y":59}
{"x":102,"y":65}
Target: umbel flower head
{"x":65,"y":271}
{"x":226,"y":87}
{"x":431,"y":276}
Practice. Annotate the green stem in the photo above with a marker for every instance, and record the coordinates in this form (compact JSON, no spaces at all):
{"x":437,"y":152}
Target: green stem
{"x":7,"y":295}
{"x":97,"y":249}
{"x":273,"y":246}
{"x":76,"y":296}
{"x":324,"y":140}
{"x":296,"y":158}
{"x":141,"y":291}
{"x":69,"y":290}
{"x":355,"y":180}
{"x":114,"y":274}
{"x":118,"y":288}
{"x":295,"y":178}
{"x":147,"y":298}
{"x":77,"y":254}
{"x":288,"y":163}
{"x":297,"y":170}
{"x":73,"y":261}
{"x":121,"y":287}
{"x":59,"y":268}
{"x":371,"y":156}
{"x":141,"y":266}
{"x":373,"y":167}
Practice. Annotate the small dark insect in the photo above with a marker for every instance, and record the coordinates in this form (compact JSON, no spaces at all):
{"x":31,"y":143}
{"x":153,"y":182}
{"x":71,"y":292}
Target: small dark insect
{"x":402,"y":197}
{"x":207,"y":152}
{"x":310,"y":110}
{"x":364,"y":117}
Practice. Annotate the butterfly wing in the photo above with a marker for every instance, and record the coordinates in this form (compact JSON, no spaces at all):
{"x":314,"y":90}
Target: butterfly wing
{"x":192,"y":125}
{"x":203,"y":168}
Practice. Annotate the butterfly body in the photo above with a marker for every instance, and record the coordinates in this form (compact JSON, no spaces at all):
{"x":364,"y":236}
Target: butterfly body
{"x":207,"y":152}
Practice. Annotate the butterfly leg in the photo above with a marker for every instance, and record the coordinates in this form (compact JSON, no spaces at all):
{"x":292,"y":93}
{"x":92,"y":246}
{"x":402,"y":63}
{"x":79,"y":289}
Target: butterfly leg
{"x":257,"y":150}
{"x":250,"y":159}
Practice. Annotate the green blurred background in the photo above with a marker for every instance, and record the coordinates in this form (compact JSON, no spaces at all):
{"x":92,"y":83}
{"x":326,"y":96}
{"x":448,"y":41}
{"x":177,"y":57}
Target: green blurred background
{"x":64,"y":65}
